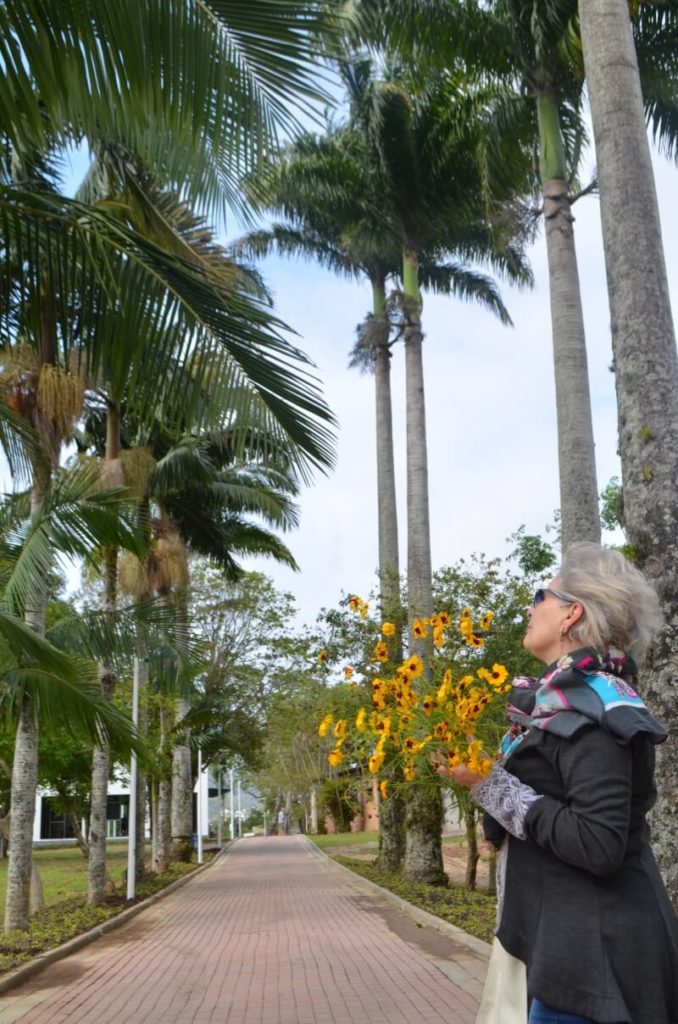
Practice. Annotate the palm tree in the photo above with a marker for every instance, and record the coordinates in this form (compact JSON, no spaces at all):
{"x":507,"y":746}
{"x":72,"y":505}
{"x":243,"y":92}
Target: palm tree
{"x":70,"y":517}
{"x":528,"y":53}
{"x":644,"y":346}
{"x":57,"y":254}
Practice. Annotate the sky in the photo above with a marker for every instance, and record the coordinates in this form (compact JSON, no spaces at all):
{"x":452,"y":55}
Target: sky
{"x":490,"y":407}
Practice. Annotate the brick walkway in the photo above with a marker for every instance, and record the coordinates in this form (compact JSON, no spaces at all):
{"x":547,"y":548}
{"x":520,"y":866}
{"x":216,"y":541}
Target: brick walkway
{"x":273,"y":933}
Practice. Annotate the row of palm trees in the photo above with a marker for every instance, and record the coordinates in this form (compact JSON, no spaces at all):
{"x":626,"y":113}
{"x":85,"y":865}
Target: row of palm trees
{"x":120,"y":302}
{"x":465,"y":125}
{"x":120,"y":311}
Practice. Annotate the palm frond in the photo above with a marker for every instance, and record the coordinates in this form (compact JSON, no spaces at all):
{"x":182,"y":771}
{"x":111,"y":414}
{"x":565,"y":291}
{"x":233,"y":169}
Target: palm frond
{"x":229,"y":341}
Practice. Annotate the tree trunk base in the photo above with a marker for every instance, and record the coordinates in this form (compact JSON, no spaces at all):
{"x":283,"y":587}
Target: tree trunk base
{"x":182,"y":850}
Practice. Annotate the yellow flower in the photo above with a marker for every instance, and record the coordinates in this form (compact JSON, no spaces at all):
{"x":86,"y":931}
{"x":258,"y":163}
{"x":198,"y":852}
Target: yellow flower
{"x":360,"y":720}
{"x":466,"y":622}
{"x":355,"y":603}
{"x":486,"y":621}
{"x":388,"y":629}
{"x":443,"y":620}
{"x":322,"y":657}
{"x":383,"y":789}
{"x":444,"y":689}
{"x":428,"y":704}
{"x":484,"y":674}
{"x":382,"y":725}
{"x":413,"y":667}
{"x":380,"y":652}
{"x":499,"y":675}
{"x":414,"y":747}
{"x":324,"y":726}
{"x":375,"y":762}
{"x":473,"y":640}
{"x":419,"y":629}
{"x":348,"y":672}
{"x":408,"y":771}
{"x":438,"y":637}
{"x":335,"y":757}
{"x":340,"y":730}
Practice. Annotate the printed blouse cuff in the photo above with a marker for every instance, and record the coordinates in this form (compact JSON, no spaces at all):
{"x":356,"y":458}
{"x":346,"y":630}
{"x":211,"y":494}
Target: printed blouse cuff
{"x":506,"y":798}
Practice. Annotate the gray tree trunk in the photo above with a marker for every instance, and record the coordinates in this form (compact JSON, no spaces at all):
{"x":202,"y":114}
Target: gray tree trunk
{"x":419,"y":572}
{"x":580,"y":519}
{"x":24,"y":783}
{"x":391,"y":831}
{"x":163,"y":840}
{"x":24,"y":779}
{"x":423,"y":829}
{"x":389,"y":563}
{"x":392,"y":810}
{"x":646,"y":365}
{"x":98,"y":823}
{"x":182,"y":795}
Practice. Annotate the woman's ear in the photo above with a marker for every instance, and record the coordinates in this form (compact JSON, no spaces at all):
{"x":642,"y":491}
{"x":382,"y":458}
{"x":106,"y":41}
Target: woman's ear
{"x":575,"y":615}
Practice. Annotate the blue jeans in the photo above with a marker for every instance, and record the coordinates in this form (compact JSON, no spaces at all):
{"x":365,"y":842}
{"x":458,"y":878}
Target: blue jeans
{"x":540,"y":1013}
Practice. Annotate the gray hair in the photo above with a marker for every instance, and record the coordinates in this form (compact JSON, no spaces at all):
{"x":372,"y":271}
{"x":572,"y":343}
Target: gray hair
{"x":621,"y":609}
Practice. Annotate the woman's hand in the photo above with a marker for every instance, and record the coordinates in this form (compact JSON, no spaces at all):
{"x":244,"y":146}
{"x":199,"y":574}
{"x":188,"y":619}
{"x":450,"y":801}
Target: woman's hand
{"x":463,"y":776}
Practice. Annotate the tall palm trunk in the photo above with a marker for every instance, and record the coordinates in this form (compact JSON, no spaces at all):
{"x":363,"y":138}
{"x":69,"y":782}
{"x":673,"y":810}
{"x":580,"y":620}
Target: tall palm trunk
{"x":419,"y":572}
{"x":580,"y":518}
{"x":163,"y":839}
{"x":423,"y":859}
{"x":646,"y":364}
{"x":24,"y":779}
{"x":96,"y":868}
{"x":391,"y":810}
{"x":389,"y":562}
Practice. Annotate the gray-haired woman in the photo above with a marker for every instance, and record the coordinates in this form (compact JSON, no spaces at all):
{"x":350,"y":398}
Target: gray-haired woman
{"x":583,"y":906}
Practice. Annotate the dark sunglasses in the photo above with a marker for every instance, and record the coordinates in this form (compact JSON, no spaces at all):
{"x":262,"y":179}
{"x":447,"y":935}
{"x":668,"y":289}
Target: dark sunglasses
{"x":540,"y":595}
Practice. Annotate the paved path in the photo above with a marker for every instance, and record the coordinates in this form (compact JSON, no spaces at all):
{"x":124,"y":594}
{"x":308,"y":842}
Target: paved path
{"x":273,"y":933}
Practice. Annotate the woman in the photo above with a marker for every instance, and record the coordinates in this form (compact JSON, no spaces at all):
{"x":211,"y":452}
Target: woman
{"x":583,"y":906}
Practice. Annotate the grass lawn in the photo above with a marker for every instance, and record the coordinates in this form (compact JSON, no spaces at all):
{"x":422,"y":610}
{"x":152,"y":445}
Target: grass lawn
{"x":64,"y":871}
{"x":64,"y":879}
{"x":345,"y":839}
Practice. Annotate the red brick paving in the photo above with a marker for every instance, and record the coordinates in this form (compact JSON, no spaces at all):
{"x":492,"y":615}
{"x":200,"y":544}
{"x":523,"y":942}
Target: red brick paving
{"x":271,"y":934}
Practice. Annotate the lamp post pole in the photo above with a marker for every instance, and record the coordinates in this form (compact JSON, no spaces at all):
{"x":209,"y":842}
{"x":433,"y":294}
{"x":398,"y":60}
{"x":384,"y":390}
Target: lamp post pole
{"x":132,"y":815}
{"x":200,"y":807}
{"x":230,"y":773}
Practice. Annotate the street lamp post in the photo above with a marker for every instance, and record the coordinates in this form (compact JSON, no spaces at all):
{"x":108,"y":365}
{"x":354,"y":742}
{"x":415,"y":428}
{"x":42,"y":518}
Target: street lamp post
{"x":132,"y":816}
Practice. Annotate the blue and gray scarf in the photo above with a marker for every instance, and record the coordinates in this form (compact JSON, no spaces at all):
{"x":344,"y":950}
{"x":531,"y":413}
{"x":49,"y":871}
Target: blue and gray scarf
{"x":579,"y":689}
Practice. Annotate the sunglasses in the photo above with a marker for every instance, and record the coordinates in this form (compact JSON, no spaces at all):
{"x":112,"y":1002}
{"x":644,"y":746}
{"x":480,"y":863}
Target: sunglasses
{"x":540,"y":596}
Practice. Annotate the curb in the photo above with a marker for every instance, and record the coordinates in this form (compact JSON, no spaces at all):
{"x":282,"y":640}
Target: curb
{"x":477,"y":946}
{"x":24,"y":972}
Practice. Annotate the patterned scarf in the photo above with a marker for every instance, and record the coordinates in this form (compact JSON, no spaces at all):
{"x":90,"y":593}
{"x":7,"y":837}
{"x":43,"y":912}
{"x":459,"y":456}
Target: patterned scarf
{"x":579,"y":689}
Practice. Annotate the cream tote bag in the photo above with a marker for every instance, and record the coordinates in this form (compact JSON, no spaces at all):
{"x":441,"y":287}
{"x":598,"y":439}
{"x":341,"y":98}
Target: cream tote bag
{"x":504,"y":999}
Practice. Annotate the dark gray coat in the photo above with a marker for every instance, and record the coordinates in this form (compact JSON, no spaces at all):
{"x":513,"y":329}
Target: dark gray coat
{"x":584,"y":905}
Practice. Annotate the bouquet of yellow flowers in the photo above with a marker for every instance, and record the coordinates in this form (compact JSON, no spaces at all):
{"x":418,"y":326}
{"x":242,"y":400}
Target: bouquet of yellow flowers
{"x":410,"y":720}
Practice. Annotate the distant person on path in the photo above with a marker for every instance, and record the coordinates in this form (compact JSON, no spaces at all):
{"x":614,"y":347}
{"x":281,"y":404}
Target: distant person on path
{"x":585,"y":924}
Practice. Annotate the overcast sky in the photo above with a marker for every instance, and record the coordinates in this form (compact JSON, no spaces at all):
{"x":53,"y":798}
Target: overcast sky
{"x":490,"y":405}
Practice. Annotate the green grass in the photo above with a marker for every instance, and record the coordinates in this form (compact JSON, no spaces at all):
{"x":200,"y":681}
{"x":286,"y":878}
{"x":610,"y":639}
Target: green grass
{"x":345,"y":839}
{"x":63,"y":871}
{"x":66,"y":914}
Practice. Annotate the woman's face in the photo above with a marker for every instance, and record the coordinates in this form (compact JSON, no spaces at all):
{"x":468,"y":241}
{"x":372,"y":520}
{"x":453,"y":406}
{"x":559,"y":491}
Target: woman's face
{"x":545,"y":620}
